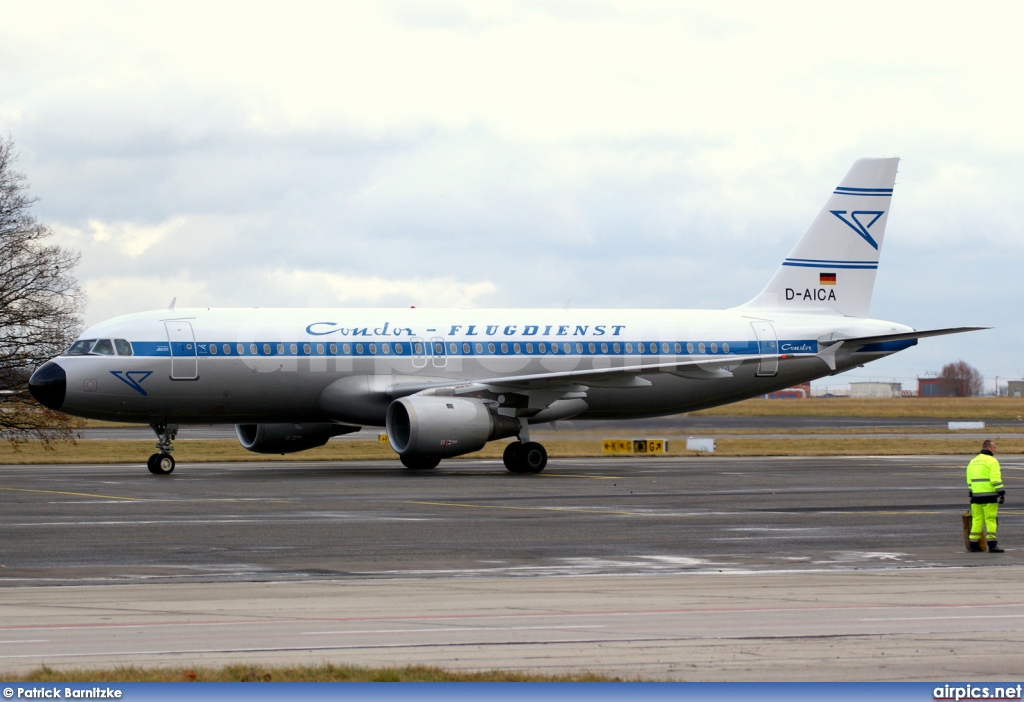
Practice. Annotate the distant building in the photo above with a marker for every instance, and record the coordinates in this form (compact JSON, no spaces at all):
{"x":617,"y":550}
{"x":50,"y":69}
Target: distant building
{"x":797,"y":392}
{"x":1015,"y":388}
{"x":936,"y":387}
{"x":873,"y":390}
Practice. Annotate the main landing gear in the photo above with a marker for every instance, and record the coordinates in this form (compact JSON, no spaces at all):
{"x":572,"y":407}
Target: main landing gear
{"x":162,"y":462}
{"x":525,"y":457}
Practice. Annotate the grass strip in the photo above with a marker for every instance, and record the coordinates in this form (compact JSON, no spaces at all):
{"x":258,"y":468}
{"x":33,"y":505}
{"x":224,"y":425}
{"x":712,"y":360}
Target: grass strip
{"x":950,"y":408}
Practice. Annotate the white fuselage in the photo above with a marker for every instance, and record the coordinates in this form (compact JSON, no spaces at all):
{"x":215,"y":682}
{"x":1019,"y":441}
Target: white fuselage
{"x":346,"y":365}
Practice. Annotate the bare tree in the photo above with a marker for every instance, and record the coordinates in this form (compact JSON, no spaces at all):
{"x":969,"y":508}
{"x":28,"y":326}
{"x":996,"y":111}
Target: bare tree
{"x":962,"y":379}
{"x":40,"y":302}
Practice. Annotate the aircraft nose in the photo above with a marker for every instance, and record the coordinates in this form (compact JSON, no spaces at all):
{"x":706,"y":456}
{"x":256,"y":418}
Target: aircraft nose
{"x":48,"y":385}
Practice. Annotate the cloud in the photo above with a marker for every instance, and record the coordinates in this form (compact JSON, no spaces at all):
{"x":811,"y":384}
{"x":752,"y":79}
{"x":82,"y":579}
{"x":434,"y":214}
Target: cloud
{"x":515,"y":153}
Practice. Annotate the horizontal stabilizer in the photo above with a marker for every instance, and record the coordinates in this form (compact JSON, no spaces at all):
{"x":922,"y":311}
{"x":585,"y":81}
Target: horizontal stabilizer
{"x":882,"y":338}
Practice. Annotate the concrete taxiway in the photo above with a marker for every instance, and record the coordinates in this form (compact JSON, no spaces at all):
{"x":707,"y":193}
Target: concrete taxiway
{"x":660,"y":568}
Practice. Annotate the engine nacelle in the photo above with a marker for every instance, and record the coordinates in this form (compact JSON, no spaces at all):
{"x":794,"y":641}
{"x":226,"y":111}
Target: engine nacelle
{"x":287,"y":438}
{"x":421,"y":425}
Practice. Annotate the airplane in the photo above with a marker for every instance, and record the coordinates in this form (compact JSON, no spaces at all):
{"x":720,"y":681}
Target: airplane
{"x":445,"y":382}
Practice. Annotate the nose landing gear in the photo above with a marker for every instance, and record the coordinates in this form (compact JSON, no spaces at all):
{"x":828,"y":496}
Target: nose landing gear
{"x":162,"y":463}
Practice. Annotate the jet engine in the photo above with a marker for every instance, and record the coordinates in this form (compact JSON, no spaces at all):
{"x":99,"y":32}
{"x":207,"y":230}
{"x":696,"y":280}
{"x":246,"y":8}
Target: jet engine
{"x":440,"y":427}
{"x":288,"y":438}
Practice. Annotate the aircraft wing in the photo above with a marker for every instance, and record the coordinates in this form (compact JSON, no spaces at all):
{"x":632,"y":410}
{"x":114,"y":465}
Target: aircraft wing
{"x":620,"y":376}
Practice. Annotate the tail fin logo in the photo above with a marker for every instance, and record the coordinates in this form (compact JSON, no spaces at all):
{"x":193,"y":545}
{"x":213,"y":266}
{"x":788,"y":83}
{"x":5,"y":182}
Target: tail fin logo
{"x":858,"y":225}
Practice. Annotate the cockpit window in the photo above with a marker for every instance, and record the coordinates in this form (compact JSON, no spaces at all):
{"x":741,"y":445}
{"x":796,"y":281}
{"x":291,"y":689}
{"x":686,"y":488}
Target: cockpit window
{"x":123,"y":347}
{"x":103,"y":347}
{"x":81,"y":347}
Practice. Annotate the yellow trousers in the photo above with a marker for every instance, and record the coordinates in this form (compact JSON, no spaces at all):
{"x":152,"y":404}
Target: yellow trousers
{"x":984,"y":515}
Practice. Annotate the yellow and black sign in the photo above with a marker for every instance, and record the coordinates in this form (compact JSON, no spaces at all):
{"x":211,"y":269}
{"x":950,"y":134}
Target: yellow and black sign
{"x":634,"y":446}
{"x":383,"y":438}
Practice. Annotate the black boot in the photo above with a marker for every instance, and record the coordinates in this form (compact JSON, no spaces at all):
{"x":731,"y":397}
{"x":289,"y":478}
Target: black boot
{"x":975,"y":547}
{"x":993,"y":547}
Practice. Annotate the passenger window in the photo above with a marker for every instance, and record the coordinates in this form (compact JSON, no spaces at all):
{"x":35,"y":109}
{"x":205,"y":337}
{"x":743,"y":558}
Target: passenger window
{"x":398,"y":348}
{"x":679,"y":349}
{"x":266,"y":349}
{"x":689,"y":348}
{"x":213,"y":349}
{"x":452,"y":348}
{"x":725,"y":347}
{"x":591,"y":348}
{"x":320,"y":349}
{"x":347,"y":349}
{"x":604,"y":348}
{"x":664,"y":348}
{"x":123,"y":347}
{"x":294,"y":349}
{"x":359,"y":349}
{"x":579,"y":348}
{"x":516,"y":348}
{"x":252,"y":349}
{"x":700,"y":347}
{"x":373,"y":349}
{"x":306,"y":349}
{"x":566,"y":348}
{"x":334,"y":349}
{"x":504,"y":348}
{"x":81,"y":347}
{"x":465,"y":349}
{"x":103,"y":347}
{"x":714,"y":347}
{"x":490,"y":348}
{"x":542,"y":347}
{"x":386,"y":348}
{"x":529,"y":348}
{"x":554,"y":348}
{"x":629,"y":348}
{"x":240,"y":348}
{"x":479,"y":348}
{"x":616,"y":348}
{"x":280,"y":349}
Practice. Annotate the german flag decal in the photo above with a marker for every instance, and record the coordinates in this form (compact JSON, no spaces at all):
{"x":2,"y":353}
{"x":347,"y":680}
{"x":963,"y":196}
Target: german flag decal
{"x":826,"y":279}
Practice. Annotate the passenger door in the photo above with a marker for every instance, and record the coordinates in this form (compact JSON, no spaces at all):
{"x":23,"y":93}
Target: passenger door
{"x":767,"y":343}
{"x":184,"y":358}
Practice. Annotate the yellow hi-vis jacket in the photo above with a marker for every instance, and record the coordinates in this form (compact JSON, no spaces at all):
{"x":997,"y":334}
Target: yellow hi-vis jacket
{"x":984,"y":478}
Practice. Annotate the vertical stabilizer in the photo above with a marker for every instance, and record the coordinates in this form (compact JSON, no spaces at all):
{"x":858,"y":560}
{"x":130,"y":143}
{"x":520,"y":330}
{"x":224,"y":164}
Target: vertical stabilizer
{"x":832,"y":268}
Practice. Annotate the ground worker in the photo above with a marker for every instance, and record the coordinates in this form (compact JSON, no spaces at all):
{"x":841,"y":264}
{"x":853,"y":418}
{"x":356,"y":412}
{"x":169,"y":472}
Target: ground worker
{"x":985,"y":482}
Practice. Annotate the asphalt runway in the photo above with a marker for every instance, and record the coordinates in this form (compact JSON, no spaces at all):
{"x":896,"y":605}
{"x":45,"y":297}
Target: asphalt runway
{"x":666,"y":568}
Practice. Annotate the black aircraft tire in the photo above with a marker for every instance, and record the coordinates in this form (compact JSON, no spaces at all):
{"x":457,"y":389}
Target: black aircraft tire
{"x":512,"y":457}
{"x":420,"y":462}
{"x":151,"y":463}
{"x":532,"y":457}
{"x":163,"y":464}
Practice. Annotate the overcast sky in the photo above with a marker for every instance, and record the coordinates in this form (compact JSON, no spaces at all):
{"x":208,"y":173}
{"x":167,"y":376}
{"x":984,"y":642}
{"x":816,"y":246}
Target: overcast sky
{"x":490,"y":154}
